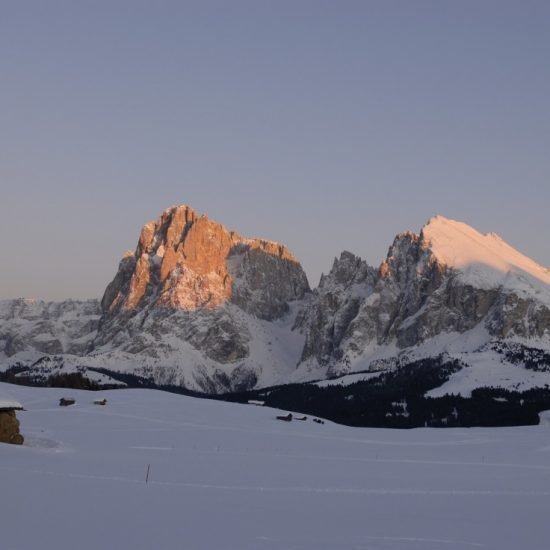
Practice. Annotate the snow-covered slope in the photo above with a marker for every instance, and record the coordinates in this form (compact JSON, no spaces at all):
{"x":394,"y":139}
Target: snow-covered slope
{"x":485,"y":261}
{"x":226,"y":476}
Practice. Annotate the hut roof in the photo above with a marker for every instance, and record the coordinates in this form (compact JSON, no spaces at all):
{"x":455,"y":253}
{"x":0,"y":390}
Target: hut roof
{"x":8,"y":403}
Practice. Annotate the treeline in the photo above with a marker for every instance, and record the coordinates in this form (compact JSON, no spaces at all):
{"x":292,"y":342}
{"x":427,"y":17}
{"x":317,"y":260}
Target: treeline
{"x":26,"y":376}
{"x":135,"y":381}
{"x":397,"y":400}
{"x":518,"y":354}
{"x":76,"y":380}
{"x":394,"y":399}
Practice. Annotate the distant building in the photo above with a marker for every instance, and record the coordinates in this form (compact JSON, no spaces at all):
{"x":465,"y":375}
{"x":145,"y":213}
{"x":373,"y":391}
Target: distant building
{"x":66,"y":401}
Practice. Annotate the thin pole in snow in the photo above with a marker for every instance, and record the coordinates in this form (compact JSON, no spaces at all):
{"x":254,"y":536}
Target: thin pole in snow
{"x":147,"y":475}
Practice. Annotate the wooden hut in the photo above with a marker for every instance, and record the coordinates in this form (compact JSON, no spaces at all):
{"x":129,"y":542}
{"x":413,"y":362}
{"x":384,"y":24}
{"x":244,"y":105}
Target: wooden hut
{"x":9,"y":425}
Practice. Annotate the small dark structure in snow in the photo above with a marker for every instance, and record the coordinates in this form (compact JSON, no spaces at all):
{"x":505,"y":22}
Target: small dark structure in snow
{"x":100,"y":401}
{"x":286,"y":417}
{"x":9,"y":425}
{"x":318,"y":420}
{"x":65,"y":402}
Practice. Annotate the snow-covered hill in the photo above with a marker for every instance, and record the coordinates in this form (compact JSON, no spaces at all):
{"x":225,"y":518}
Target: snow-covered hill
{"x":232,"y":477}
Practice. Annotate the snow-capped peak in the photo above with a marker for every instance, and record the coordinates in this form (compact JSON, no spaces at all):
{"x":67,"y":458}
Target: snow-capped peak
{"x":485,"y":260}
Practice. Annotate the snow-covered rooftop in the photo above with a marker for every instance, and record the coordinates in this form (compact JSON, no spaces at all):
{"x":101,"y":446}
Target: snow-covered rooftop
{"x":7,"y":402}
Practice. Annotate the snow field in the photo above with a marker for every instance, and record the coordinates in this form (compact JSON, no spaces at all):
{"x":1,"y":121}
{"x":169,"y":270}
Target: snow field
{"x":228,"y":476}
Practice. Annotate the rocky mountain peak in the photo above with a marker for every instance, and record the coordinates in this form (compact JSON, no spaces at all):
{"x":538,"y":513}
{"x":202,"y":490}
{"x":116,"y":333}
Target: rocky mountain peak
{"x":185,"y":261}
{"x":346,"y":270}
{"x":198,"y":305}
{"x":446,"y":279}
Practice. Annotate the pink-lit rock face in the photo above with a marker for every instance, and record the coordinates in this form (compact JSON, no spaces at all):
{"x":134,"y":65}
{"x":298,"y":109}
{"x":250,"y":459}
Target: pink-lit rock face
{"x":187,"y":262}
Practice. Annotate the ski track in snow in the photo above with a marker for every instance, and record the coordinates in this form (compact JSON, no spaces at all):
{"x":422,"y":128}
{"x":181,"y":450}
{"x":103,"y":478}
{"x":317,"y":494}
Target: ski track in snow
{"x":427,"y":541}
{"x":317,"y":490}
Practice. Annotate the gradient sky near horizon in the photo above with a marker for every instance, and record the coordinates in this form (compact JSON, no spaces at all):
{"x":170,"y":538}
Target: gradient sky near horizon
{"x":323,"y":125}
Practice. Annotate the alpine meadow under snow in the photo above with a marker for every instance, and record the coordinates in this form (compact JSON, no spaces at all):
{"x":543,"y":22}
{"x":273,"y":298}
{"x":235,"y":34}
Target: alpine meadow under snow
{"x":232,"y":477}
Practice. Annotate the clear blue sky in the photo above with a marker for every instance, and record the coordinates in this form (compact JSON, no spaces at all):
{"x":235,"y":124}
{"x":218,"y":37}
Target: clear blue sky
{"x":324,"y":125}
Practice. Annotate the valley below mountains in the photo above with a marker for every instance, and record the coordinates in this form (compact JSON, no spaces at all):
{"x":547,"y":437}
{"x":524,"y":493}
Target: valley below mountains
{"x":200,"y":308}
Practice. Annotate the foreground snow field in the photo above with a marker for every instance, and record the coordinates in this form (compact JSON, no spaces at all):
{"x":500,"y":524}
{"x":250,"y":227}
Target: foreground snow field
{"x":228,"y":476}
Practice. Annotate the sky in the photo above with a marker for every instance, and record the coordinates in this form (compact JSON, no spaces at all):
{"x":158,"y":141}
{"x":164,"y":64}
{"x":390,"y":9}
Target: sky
{"x":325,"y":125}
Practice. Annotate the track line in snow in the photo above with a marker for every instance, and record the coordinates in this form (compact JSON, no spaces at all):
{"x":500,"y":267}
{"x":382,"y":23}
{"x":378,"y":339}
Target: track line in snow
{"x":360,"y":545}
{"x":378,"y":460}
{"x":145,"y":448}
{"x":428,"y":541}
{"x":296,"y":490}
{"x":398,"y":443}
{"x":343,"y":491}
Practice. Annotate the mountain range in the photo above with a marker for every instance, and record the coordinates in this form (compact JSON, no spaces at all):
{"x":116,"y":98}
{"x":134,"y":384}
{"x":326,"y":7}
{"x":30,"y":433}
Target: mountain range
{"x":203,"y":308}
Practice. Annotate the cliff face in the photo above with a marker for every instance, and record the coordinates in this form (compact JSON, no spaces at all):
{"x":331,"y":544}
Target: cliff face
{"x":333,"y":306}
{"x":186,"y":262}
{"x":194,"y":293}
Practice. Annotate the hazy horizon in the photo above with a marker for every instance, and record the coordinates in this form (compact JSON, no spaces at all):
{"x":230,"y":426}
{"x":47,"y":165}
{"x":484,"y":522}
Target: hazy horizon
{"x":325,"y":126}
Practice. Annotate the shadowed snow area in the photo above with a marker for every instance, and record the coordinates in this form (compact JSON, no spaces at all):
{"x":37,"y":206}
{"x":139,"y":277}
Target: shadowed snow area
{"x":228,"y":476}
